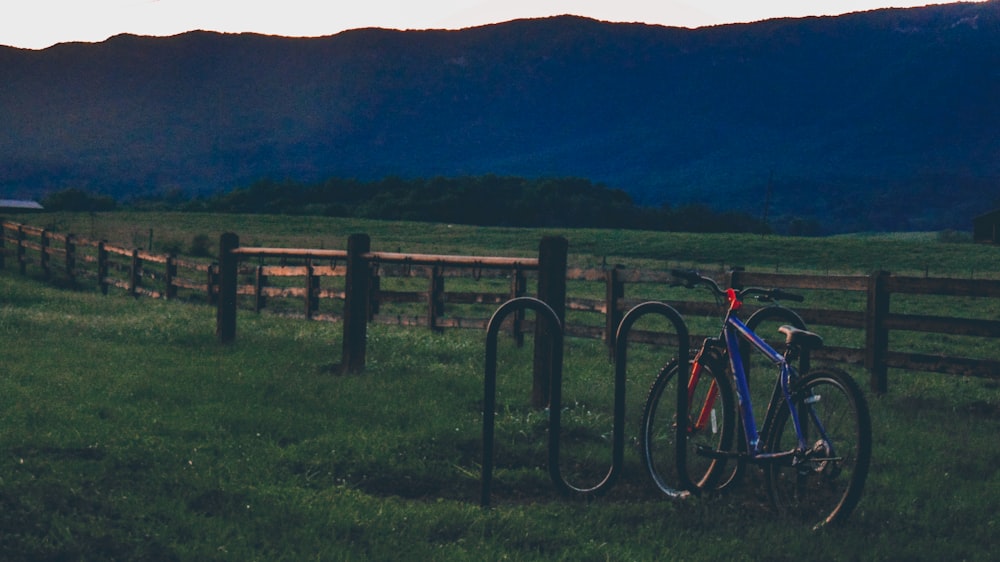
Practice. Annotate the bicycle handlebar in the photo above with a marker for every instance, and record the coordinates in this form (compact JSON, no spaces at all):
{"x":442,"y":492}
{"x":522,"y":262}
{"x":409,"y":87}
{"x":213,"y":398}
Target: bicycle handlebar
{"x":691,"y":279}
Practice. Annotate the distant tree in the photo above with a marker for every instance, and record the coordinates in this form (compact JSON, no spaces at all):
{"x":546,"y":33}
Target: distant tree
{"x":75,"y":199}
{"x":487,"y":200}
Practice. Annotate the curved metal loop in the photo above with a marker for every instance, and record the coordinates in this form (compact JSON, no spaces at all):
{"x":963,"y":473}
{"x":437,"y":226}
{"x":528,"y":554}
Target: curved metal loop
{"x":555,"y":400}
{"x":548,"y":315}
{"x":618,"y":430}
{"x":621,"y":351}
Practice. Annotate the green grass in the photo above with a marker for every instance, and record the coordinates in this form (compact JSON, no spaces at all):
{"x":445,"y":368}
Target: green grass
{"x":128,"y":433}
{"x":910,"y":254}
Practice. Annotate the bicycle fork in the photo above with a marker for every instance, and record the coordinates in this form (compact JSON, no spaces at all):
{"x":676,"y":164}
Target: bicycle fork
{"x":706,"y":414}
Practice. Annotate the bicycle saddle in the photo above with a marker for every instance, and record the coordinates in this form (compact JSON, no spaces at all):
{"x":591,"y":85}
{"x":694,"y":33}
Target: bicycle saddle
{"x":802,"y":339}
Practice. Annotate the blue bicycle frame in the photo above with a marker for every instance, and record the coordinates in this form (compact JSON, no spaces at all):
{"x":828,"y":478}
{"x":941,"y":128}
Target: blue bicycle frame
{"x":733,"y":330}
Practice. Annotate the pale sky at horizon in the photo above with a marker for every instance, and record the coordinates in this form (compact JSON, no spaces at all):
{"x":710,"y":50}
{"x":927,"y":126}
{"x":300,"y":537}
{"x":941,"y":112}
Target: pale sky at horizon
{"x":37,"y":24}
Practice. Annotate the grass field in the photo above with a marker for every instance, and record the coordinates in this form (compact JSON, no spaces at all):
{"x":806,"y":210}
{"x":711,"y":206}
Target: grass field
{"x":923,"y":253}
{"x":128,"y":433}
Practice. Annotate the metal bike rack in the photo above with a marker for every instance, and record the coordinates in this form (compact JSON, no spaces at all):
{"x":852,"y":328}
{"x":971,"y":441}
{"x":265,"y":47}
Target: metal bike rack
{"x":548,"y":315}
{"x":621,"y":350}
{"x":555,"y":396}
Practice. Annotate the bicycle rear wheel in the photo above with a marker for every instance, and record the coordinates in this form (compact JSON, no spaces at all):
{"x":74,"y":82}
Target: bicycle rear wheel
{"x":823,"y":484}
{"x":710,"y":422}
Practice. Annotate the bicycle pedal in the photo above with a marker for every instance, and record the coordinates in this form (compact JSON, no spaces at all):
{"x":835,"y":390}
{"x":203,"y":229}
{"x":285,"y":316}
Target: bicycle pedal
{"x":786,"y":458}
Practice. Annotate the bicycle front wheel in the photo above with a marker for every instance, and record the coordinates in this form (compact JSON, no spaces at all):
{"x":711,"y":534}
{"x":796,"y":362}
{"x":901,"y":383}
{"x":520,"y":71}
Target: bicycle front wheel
{"x":710,"y":426}
{"x":823,"y":483}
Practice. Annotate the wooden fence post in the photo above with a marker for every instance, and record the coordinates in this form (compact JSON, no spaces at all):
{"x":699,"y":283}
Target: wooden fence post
{"x":43,"y":242}
{"x":435,"y":298}
{"x":260,"y":281}
{"x":169,"y":274}
{"x":212,"y":284}
{"x":70,"y":248}
{"x":357,"y":284}
{"x":614,"y":292}
{"x":102,"y":266}
{"x":225,"y":319}
{"x":518,"y":286}
{"x":876,"y":332}
{"x":134,"y":274}
{"x":552,"y":260}
{"x":735,"y":277}
{"x":312,"y":290}
{"x":22,"y":260}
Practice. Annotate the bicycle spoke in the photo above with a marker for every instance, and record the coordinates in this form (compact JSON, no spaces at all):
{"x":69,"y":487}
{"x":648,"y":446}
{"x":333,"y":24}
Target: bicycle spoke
{"x":824,"y":482}
{"x":710,"y":425}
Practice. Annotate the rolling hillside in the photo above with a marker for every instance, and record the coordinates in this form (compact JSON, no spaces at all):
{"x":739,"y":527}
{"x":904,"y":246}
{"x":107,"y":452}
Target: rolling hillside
{"x":883,"y":120}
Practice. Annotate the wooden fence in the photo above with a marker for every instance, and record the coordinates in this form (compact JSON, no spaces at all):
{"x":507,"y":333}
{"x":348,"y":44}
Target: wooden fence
{"x":357,"y":286}
{"x":74,"y":258}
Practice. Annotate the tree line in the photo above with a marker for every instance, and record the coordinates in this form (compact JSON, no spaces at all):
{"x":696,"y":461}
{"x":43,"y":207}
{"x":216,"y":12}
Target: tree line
{"x":476,"y":200}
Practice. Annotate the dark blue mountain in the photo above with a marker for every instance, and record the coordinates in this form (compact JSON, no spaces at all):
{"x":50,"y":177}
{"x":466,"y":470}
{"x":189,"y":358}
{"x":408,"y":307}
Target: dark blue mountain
{"x":882,"y":120}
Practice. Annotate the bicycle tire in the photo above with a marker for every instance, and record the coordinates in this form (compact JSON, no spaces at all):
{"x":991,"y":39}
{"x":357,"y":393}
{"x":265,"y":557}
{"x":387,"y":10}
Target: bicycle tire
{"x":818,"y":490}
{"x":658,"y":441}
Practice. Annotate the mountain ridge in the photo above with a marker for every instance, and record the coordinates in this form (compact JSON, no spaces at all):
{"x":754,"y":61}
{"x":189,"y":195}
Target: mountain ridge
{"x":881,"y":120}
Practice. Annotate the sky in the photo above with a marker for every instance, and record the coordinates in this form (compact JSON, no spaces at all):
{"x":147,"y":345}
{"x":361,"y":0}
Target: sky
{"x":37,"y":24}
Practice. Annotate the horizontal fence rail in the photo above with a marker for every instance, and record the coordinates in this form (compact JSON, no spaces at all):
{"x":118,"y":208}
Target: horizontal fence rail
{"x":447,"y":291}
{"x":134,"y":270}
{"x":320,"y":276}
{"x":878,"y":321}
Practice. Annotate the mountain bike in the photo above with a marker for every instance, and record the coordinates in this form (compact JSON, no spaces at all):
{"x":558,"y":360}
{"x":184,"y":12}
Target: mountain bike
{"x":815,"y":443}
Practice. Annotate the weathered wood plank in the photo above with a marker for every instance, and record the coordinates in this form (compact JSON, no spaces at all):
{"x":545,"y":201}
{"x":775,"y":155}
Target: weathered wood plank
{"x":985,"y":368}
{"x":945,"y":286}
{"x":799,"y":281}
{"x":943,"y":325}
